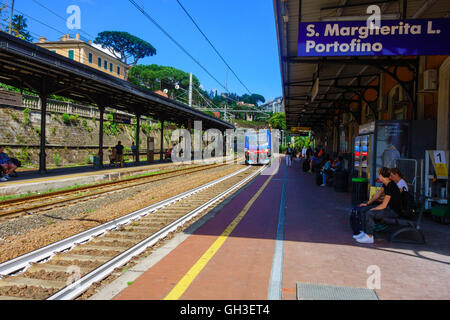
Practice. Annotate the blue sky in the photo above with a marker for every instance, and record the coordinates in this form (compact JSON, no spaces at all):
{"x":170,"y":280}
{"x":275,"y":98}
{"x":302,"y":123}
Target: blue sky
{"x":243,"y":31}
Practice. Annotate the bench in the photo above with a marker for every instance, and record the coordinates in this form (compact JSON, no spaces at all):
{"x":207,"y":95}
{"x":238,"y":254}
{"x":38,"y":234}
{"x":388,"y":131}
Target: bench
{"x":409,"y":228}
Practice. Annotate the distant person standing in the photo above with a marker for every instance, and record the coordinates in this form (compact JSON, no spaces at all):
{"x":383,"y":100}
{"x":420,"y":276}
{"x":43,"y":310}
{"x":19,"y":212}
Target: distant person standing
{"x":119,"y":152}
{"x":304,"y":152}
{"x":134,"y":151}
{"x":289,"y":153}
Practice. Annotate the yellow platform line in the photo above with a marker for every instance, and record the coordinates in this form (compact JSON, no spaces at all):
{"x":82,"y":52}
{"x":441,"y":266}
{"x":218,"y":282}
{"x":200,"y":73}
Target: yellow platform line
{"x":190,"y":276}
{"x":77,"y":175}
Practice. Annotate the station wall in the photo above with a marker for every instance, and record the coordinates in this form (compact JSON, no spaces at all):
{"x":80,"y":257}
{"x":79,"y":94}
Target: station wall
{"x":68,"y":143}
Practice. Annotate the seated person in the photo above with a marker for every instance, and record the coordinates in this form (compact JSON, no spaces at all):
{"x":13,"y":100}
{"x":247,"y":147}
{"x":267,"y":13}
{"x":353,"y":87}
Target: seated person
{"x":338,"y":165}
{"x":113,"y":156}
{"x":326,"y":170}
{"x":389,"y":208}
{"x":6,"y":165}
{"x":315,"y":162}
{"x":399,"y":179}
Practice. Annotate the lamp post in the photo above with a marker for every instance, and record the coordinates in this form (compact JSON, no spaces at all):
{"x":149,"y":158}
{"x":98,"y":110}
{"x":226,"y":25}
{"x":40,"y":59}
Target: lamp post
{"x":10,"y":19}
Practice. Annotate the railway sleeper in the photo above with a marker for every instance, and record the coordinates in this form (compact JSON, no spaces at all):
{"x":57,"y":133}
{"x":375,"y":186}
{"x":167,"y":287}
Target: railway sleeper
{"x":21,"y":281}
{"x":76,"y":257}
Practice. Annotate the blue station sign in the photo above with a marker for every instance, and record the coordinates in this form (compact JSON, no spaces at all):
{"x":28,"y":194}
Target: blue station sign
{"x":392,"y":38}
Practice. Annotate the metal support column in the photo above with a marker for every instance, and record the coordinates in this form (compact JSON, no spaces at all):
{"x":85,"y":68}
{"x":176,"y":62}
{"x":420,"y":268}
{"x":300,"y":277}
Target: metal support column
{"x":162,"y":141}
{"x":138,"y":130}
{"x":189,"y":128}
{"x":42,"y":155}
{"x":100,"y":143}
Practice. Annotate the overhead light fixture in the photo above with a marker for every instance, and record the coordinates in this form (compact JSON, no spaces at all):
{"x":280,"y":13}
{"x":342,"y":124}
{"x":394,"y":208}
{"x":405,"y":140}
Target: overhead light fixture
{"x":284,"y":12}
{"x":392,"y":16}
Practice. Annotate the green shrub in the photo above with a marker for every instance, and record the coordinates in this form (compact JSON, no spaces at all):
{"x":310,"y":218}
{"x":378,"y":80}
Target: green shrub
{"x":24,"y":156}
{"x":86,"y":126}
{"x":56,"y":159}
{"x":65,"y":118}
{"x":74,"y":119}
{"x":26,"y":117}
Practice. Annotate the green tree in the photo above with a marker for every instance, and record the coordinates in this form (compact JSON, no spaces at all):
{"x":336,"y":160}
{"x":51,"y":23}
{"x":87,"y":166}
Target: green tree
{"x":253,"y":99}
{"x":278,"y":121}
{"x":125,"y":46}
{"x":157,"y":77}
{"x":19,"y":28}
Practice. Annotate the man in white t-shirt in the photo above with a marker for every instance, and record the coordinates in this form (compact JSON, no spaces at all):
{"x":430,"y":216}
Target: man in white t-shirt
{"x":304,"y":152}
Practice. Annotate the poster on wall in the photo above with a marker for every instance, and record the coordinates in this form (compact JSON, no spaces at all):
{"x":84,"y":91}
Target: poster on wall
{"x":392,"y":38}
{"x":391,"y":143}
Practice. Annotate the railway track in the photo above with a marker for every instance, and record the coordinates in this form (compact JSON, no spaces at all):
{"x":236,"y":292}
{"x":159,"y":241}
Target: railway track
{"x":36,"y":203}
{"x":66,"y":269}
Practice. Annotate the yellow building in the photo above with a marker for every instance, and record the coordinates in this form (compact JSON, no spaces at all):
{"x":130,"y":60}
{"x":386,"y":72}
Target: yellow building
{"x":88,"y":54}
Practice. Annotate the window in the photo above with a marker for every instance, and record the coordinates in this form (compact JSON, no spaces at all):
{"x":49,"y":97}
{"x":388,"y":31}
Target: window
{"x":90,"y":57}
{"x":71,"y":54}
{"x":99,"y":62}
{"x":118,"y":70}
{"x":111,"y":67}
{"x":106,"y":65}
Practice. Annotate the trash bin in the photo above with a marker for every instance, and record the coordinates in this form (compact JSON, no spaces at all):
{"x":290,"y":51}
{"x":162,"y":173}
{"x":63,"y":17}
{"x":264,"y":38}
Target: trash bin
{"x":359,"y":191}
{"x":96,"y":162}
{"x":340,"y":181}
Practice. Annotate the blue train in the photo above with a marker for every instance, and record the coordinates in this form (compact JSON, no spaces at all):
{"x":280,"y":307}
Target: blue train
{"x":258,"y":147}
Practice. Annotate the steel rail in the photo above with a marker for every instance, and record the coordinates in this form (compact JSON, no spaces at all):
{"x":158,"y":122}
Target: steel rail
{"x":78,"y":287}
{"x":121,"y":184}
{"x":22,"y":263}
{"x":102,"y":184}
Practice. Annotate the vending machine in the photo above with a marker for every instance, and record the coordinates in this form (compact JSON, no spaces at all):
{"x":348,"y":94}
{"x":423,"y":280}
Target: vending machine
{"x":364,"y":150}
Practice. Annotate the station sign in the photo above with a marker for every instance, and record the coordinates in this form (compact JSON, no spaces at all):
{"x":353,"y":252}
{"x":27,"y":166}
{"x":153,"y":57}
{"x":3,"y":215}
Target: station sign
{"x":393,"y":38}
{"x":302,"y":131}
{"x":122,"y":118}
{"x":10,"y":98}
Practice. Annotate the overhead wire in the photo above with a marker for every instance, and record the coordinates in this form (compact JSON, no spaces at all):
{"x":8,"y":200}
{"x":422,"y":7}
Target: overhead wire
{"x":210,"y":43}
{"x":176,"y":42}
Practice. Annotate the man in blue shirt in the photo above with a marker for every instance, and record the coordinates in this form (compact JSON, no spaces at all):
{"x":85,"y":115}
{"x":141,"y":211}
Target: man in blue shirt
{"x":6,"y":165}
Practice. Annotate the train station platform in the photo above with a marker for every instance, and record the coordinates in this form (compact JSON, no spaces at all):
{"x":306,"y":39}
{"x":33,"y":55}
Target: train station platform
{"x":33,"y":181}
{"x":279,"y":234}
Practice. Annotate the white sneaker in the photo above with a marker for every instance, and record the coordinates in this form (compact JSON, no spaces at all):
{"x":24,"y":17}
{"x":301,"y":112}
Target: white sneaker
{"x":323,"y":185}
{"x":3,"y":179}
{"x":365,"y":239}
{"x":362,"y":233}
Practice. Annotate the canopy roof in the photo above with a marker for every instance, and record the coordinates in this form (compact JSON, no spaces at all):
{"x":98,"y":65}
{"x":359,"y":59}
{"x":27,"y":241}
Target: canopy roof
{"x":339,"y":77}
{"x":28,"y":66}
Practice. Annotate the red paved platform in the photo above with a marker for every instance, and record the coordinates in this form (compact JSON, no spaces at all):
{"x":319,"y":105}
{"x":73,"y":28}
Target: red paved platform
{"x":318,"y":248}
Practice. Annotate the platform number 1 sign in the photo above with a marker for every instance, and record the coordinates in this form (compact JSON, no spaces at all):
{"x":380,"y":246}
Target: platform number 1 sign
{"x":440,"y":162}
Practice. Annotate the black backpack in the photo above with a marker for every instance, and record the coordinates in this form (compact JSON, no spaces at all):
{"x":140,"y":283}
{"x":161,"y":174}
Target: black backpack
{"x":408,"y":205}
{"x":306,"y":165}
